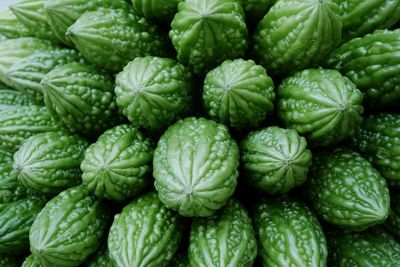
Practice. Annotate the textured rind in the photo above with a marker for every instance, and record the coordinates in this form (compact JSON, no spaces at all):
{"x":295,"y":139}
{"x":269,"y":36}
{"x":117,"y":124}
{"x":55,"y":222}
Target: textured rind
{"x":360,"y":17}
{"x":31,"y":14}
{"x":63,"y":13}
{"x":18,"y":124}
{"x":378,"y":140}
{"x":81,"y":98}
{"x":392,"y":224}
{"x":156,"y":10}
{"x":320,"y":104}
{"x":373,"y":64}
{"x":289,"y":234}
{"x":256,"y":9}
{"x":10,"y":27}
{"x":15,"y":221}
{"x":207,"y":32}
{"x":11,"y":99}
{"x":297,"y":34}
{"x":13,"y":50}
{"x":347,"y":191}
{"x":119,"y":165}
{"x":100,"y":259}
{"x":275,"y":160}
{"x":151,"y":240}
{"x":239,"y":94}
{"x":9,"y":261}
{"x":154,"y":92}
{"x":110,"y":38}
{"x":195,"y":166}
{"x":374,"y":247}
{"x":68,"y":229}
{"x":48,"y":163}
{"x":226,"y":238}
{"x":30,"y":262}
{"x":28,"y":72}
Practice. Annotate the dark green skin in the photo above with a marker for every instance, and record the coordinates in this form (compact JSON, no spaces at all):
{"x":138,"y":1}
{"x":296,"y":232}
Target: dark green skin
{"x":100,"y":259}
{"x":9,"y":261}
{"x":393,"y":222}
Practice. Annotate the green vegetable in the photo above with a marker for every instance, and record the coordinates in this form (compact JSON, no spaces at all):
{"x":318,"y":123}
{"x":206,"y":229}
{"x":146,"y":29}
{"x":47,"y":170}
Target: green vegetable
{"x":374,"y":247}
{"x":110,"y":38}
{"x":81,"y":97}
{"x":206,"y":32}
{"x":347,"y":191}
{"x":226,"y":238}
{"x":146,"y":233}
{"x":154,"y":92}
{"x":239,"y":93}
{"x":373,"y":64}
{"x":48,"y":163}
{"x":10,"y":26}
{"x":28,"y":72}
{"x":30,"y":262}
{"x":393,"y":222}
{"x":11,"y":99}
{"x":9,"y":261}
{"x":118,"y":166}
{"x":256,"y":9}
{"x":31,"y":14}
{"x":361,"y":17}
{"x":18,"y":124}
{"x":15,"y":221}
{"x":162,"y":11}
{"x":275,"y":160}
{"x":100,"y":259}
{"x":195,"y":166}
{"x":296,"y":34}
{"x":68,"y":229}
{"x":289,"y":234}
{"x":320,"y":104}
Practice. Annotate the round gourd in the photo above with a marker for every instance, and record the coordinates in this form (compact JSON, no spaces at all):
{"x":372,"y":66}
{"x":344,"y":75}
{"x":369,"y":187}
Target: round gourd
{"x":162,"y":11}
{"x":195,"y":166}
{"x":275,"y":160}
{"x":10,"y":26}
{"x":154,"y":92}
{"x":320,"y":104}
{"x":119,"y":165}
{"x":239,"y":94}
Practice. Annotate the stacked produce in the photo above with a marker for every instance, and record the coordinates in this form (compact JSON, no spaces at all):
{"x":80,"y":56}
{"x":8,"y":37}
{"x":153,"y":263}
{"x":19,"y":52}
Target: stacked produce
{"x":200,"y":133}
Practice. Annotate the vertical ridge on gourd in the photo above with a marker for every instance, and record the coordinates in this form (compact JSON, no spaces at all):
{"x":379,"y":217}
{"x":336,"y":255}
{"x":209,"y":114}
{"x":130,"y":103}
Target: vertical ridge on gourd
{"x":81,"y":97}
{"x":297,"y":34}
{"x":207,"y":32}
{"x":320,"y":104}
{"x":372,"y":62}
{"x":347,"y":191}
{"x":153,"y":237}
{"x":10,"y":26}
{"x":68,"y":229}
{"x":155,"y":10}
{"x":11,"y":99}
{"x":30,"y":262}
{"x":195,"y":166}
{"x":226,"y":238}
{"x":288,"y":223}
{"x":110,"y":38}
{"x":119,"y":165}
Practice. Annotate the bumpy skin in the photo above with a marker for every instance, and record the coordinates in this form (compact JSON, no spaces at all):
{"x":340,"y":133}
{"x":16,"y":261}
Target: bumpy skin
{"x":393,"y":222}
{"x":9,"y":261}
{"x":31,"y":14}
{"x":13,"y":50}
{"x":289,"y":234}
{"x":256,"y":9}
{"x":162,"y":11}
{"x":100,"y":259}
{"x":347,"y":191}
{"x":360,"y":17}
{"x":206,"y":32}
{"x":374,"y":247}
{"x":10,"y":26}
{"x":320,"y":104}
{"x":15,"y":221}
{"x":119,"y":165}
{"x":154,"y":92}
{"x":11,"y":99}
{"x":18,"y":124}
{"x":373,"y":64}
{"x":195,"y":166}
{"x":68,"y":229}
{"x":378,"y":140}
{"x":63,"y":13}
{"x":30,"y":262}
{"x":110,"y":38}
{"x":81,"y":97}
{"x":226,"y":238}
{"x":239,"y":93}
{"x":151,"y":241}
{"x":297,"y":34}
{"x":275,"y":160}
{"x":48,"y":163}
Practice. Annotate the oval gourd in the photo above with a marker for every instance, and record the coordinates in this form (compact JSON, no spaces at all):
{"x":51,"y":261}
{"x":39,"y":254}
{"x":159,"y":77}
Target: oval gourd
{"x":10,"y":26}
{"x":11,"y":99}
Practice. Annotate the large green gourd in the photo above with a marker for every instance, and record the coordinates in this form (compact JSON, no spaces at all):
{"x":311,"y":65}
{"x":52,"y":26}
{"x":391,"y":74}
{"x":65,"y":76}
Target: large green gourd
{"x":100,"y":259}
{"x":146,"y":233}
{"x":162,"y":11}
{"x":30,"y":262}
{"x":11,"y":99}
{"x":10,"y":26}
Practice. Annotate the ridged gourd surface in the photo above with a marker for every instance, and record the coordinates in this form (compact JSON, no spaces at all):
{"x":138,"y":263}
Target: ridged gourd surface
{"x":10,"y":26}
{"x":11,"y":99}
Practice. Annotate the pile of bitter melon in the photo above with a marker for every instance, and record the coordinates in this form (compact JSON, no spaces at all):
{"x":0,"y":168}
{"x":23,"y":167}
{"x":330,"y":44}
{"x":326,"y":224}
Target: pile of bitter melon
{"x":202,"y":133}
